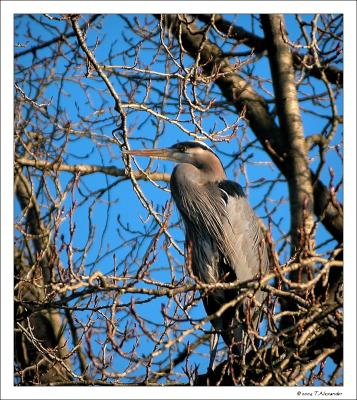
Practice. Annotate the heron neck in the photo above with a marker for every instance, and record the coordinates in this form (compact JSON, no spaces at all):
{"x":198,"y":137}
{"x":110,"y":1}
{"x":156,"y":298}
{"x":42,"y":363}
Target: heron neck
{"x":211,"y":171}
{"x":190,"y":175}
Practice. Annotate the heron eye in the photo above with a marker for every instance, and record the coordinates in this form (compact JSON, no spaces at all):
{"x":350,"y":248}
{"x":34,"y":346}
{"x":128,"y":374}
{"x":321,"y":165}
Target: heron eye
{"x":183,"y":149}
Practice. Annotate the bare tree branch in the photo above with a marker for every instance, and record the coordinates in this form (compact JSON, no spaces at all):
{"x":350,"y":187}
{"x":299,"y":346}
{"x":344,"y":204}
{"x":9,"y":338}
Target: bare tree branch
{"x":333,"y":74}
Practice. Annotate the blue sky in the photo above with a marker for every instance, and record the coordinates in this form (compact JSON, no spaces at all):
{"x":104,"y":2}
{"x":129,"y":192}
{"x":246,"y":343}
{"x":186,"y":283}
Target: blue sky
{"x":121,"y":202}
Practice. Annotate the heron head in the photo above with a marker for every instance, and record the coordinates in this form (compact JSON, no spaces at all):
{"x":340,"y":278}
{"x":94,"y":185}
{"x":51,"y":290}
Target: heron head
{"x":196,"y":153}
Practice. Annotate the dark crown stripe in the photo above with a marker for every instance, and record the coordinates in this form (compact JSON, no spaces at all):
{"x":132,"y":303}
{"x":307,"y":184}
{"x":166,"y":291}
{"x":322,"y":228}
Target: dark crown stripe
{"x":193,"y":145}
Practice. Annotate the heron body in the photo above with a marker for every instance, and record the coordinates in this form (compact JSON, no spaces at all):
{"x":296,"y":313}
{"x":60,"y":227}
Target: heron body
{"x":223,"y":235}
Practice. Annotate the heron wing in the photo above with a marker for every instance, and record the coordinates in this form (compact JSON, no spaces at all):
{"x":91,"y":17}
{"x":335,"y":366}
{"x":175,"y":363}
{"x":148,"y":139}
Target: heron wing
{"x":245,"y":248}
{"x":246,"y":251}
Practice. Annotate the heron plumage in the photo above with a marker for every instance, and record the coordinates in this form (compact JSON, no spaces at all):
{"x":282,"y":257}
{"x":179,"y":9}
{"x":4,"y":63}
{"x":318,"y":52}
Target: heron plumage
{"x":227,"y":243}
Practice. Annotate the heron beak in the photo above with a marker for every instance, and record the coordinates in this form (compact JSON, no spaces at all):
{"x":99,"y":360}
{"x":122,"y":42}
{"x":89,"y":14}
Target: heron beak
{"x":162,"y":154}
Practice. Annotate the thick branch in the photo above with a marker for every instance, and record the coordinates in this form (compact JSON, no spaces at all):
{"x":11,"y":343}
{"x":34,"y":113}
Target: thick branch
{"x":299,"y":176}
{"x":86,"y":169}
{"x":44,"y":326}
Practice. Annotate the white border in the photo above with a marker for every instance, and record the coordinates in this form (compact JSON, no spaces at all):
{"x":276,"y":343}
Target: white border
{"x":8,"y":9}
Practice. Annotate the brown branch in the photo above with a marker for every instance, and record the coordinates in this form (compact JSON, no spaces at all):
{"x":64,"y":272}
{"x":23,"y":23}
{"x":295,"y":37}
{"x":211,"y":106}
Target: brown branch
{"x":46,"y":325}
{"x":86,"y":169}
{"x":299,"y":177}
{"x":313,"y":363}
{"x":78,"y":32}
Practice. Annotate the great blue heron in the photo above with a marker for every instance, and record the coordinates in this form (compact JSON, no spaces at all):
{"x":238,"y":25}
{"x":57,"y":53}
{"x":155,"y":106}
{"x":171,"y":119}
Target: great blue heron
{"x":223,"y":235}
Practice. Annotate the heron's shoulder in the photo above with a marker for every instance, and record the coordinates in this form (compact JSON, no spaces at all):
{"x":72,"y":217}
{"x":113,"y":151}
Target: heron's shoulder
{"x":231,"y":188}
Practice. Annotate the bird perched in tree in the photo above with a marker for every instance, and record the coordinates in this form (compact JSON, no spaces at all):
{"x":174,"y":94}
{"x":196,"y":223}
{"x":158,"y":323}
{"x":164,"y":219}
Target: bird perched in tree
{"x":223,"y":236}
